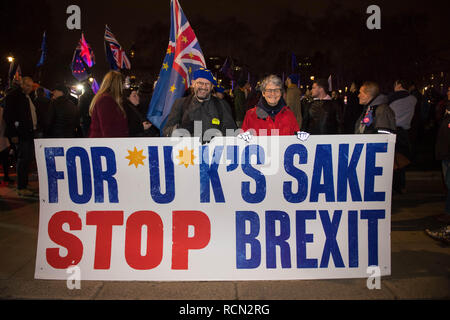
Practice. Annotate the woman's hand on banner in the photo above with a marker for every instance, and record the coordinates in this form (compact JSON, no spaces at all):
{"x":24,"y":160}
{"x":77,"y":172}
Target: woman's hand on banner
{"x":302,"y":135}
{"x":246,"y":136}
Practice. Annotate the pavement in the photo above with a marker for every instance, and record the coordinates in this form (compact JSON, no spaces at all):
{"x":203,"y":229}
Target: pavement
{"x":420,"y":265}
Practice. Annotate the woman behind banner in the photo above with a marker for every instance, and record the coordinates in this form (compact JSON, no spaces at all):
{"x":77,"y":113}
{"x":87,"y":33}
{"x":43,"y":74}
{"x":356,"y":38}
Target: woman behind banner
{"x":271,"y":116}
{"x":108,"y":117}
{"x":138,"y":126}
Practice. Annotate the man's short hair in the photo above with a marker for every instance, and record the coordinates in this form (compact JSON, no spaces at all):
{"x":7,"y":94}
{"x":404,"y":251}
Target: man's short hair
{"x":404,"y":83}
{"x":371,"y":88}
{"x":323,"y":83}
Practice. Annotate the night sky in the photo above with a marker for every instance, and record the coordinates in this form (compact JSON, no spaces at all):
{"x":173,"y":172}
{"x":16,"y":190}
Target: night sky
{"x":23,"y":22}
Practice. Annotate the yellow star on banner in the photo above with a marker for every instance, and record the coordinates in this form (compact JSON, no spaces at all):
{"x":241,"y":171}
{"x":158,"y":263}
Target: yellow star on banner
{"x":184,"y":39}
{"x":191,"y":55}
{"x":135,"y":157}
{"x":172,"y":88}
{"x":186,"y":157}
{"x":169,"y":50}
{"x":190,"y":70}
{"x":165,"y":66}
{"x":184,"y":81}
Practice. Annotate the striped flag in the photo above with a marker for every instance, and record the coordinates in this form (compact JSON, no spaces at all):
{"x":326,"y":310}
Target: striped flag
{"x":183,"y":57}
{"x":114,"y":52}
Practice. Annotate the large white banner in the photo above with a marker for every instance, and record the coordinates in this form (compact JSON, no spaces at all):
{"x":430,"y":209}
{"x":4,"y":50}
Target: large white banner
{"x":167,"y":209}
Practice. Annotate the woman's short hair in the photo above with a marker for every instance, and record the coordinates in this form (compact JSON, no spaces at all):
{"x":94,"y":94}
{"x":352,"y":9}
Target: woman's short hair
{"x":275,"y":80}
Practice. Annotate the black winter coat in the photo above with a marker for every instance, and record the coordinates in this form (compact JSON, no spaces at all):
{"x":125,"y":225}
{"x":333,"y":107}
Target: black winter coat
{"x":17,"y":115}
{"x":322,"y":117}
{"x":443,"y":139}
{"x":63,"y":119}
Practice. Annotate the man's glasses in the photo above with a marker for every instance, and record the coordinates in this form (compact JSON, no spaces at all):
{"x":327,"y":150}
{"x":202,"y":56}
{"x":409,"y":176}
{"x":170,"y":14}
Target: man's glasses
{"x":203,"y":84}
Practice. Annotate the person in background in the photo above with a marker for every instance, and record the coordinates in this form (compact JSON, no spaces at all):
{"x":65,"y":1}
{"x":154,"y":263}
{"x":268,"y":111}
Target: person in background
{"x":4,"y":149}
{"x":83,"y":108}
{"x":442,"y":152}
{"x":377,"y":116}
{"x":42,"y":103}
{"x":239,"y":94}
{"x":403,"y":104}
{"x":21,"y":124}
{"x":219,"y":92}
{"x":138,"y":126}
{"x":63,"y":116}
{"x":144,"y":92}
{"x":293,"y":97}
{"x":322,"y":115}
{"x":352,"y":110}
{"x":108,"y":117}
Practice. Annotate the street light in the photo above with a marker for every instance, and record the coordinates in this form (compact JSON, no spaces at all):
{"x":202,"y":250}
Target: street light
{"x":10,"y":59}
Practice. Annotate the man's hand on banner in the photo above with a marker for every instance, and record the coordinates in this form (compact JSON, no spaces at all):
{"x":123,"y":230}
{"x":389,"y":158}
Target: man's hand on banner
{"x":302,"y":135}
{"x":246,"y":136}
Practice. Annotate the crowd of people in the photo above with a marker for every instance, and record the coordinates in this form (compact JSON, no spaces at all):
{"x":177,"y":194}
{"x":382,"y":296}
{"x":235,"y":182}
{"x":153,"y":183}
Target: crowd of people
{"x":273,"y":107}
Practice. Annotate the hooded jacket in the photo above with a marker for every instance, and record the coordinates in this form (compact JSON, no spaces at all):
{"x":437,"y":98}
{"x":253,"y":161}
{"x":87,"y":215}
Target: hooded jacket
{"x":383,"y":118}
{"x":403,"y":105}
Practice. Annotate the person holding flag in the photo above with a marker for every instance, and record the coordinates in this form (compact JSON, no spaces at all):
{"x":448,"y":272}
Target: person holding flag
{"x":183,"y":57}
{"x":202,"y":106}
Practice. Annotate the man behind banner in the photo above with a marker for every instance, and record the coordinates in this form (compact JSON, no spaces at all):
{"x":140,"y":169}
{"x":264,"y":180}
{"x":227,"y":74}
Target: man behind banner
{"x":377,"y":116}
{"x":200,"y":107}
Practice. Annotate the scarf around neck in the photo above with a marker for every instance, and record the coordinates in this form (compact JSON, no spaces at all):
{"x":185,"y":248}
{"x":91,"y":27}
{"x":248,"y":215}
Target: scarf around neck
{"x":271,"y":111}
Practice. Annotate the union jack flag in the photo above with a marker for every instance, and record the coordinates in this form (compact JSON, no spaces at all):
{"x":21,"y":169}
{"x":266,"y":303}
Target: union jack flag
{"x":183,"y":57}
{"x":114,"y":52}
{"x":86,"y":52}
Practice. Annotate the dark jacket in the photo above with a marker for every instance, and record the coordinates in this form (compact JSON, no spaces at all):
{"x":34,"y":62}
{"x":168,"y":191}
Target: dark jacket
{"x":382,"y":117}
{"x":352,"y":111}
{"x":42,"y":105}
{"x":443,"y":139}
{"x":239,"y":104}
{"x":83,"y":108}
{"x":322,"y":117}
{"x":213,"y":114}
{"x":63,"y":119}
{"x":17,"y":115}
{"x":135,"y":120}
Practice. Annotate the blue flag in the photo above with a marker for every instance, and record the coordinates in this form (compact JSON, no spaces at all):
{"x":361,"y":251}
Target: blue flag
{"x":43,"y":50}
{"x":183,"y":58}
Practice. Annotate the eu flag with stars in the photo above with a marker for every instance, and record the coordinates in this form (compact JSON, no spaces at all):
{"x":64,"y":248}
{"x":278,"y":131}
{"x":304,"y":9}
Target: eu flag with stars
{"x":183,"y":58}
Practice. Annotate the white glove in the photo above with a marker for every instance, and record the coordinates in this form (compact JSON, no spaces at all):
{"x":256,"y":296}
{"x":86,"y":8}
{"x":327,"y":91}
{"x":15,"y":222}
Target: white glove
{"x":246,"y":136}
{"x":302,"y":135}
